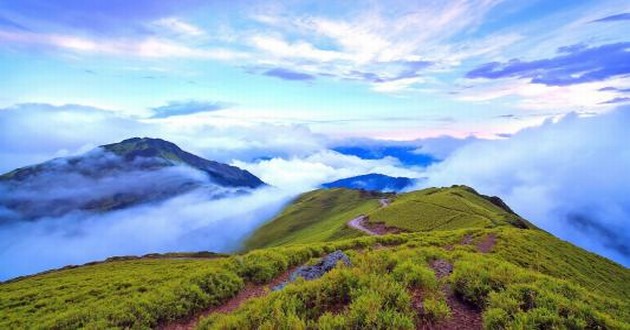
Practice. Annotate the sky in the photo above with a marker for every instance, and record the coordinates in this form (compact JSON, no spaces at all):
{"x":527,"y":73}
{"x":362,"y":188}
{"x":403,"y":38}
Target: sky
{"x":526,"y":100}
{"x":397,"y":70}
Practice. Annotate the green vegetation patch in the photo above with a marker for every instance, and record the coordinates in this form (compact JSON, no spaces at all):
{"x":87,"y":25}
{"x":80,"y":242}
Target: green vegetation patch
{"x":379,"y":289}
{"x":316,"y":216}
{"x":451,"y":208}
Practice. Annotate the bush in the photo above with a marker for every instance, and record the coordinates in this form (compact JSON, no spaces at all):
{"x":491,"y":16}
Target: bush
{"x":414,"y":275}
{"x":262,"y":266}
{"x":435,"y":310}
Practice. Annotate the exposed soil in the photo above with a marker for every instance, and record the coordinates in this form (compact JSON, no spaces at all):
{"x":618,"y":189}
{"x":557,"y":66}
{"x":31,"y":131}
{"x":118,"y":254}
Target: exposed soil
{"x":359,"y":223}
{"x":487,"y":243}
{"x":250,"y":291}
{"x":466,"y":240}
{"x":373,"y":228}
{"x":380,"y":228}
{"x":385,"y":202}
{"x":442,"y":268}
{"x":463,"y":315}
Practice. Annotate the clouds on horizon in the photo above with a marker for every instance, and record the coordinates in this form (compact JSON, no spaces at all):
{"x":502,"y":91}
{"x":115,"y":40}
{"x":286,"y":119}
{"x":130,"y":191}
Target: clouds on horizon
{"x":569,"y":177}
{"x":535,"y":170}
{"x":191,"y":222}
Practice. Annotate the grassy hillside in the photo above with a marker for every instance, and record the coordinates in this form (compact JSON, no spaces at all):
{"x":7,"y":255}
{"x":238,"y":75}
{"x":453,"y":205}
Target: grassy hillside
{"x":519,"y":284}
{"x":321,"y":215}
{"x":446,"y":209}
{"x":316,"y":216}
{"x":465,"y":254}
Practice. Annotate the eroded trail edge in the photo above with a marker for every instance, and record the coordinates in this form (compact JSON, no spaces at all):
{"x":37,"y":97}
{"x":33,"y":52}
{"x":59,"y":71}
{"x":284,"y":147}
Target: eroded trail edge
{"x":250,"y":291}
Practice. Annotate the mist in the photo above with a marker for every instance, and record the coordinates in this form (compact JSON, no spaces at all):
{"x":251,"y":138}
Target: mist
{"x":570,"y":177}
{"x":191,"y":222}
{"x":81,"y":209}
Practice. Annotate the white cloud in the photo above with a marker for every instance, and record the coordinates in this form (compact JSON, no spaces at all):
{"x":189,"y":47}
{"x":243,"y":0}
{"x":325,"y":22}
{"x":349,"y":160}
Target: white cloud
{"x":568,"y":177}
{"x":533,"y":97}
{"x":190,"y":222}
{"x":34,"y":133}
{"x":179,"y":26}
{"x":150,"y":47}
{"x":309,"y":172}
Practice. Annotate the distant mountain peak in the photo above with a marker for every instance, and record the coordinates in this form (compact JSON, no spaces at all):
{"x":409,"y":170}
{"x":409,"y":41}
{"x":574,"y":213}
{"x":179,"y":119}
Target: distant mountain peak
{"x":372,"y":181}
{"x":114,"y":176}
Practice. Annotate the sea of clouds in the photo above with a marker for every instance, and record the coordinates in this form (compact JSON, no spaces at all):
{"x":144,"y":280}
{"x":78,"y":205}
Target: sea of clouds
{"x":568,"y":176}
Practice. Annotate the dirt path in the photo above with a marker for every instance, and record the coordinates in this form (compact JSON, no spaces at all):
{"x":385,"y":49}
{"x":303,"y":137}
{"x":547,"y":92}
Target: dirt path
{"x":250,"y":291}
{"x":463,"y":315}
{"x":360,"y":223}
{"x":487,"y":244}
{"x":384,"y":202}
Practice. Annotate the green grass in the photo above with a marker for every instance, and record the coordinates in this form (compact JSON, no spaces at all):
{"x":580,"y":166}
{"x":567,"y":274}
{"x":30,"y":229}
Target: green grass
{"x":130,"y":293}
{"x":322,"y":215}
{"x":316,"y":216}
{"x":376,"y":291}
{"x":451,"y":208}
{"x":530,"y":279}
{"x":373,"y":293}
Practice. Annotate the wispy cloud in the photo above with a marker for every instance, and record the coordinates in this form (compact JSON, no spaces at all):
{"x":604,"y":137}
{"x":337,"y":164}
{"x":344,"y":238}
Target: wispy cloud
{"x":179,"y":108}
{"x":287,"y":74}
{"x":151,"y":47}
{"x":613,"y":18}
{"x":617,"y":100}
{"x":179,"y":26}
{"x":574,"y":65}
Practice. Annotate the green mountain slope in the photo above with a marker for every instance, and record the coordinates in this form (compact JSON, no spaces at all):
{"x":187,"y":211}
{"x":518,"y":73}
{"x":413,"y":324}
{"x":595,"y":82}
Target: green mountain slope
{"x":316,"y":216}
{"x":529,"y":279}
{"x":446,"y":209}
{"x":489,"y":268}
{"x":322,"y":215}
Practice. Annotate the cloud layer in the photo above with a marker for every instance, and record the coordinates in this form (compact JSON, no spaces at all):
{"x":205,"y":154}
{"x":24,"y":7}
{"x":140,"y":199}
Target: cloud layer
{"x":192,"y":222}
{"x":570,"y":178}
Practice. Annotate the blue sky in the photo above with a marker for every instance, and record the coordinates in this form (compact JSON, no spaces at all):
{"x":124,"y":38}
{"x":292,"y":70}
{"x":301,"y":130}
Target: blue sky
{"x":394,"y":70}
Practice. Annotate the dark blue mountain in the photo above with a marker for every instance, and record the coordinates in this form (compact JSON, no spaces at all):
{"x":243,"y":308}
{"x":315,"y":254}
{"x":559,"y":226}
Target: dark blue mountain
{"x":373,"y":182}
{"x":407,"y":155}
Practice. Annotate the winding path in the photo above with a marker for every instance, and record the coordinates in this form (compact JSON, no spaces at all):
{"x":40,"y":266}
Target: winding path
{"x":358,"y":223}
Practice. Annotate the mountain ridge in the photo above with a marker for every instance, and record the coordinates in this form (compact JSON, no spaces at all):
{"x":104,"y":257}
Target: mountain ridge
{"x":114,"y":176}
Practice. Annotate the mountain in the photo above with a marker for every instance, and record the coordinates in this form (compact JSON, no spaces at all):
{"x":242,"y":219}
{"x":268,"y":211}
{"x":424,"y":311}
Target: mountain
{"x":114,"y":176}
{"x":373,"y":182}
{"x":447,"y":258}
{"x":222,"y":174}
{"x":322,"y":215}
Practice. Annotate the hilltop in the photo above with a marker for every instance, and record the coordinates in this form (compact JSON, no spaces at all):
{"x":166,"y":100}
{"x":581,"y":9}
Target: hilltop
{"x":442,"y":258}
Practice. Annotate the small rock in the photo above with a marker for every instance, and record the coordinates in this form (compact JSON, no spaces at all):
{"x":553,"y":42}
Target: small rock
{"x":318,"y":270}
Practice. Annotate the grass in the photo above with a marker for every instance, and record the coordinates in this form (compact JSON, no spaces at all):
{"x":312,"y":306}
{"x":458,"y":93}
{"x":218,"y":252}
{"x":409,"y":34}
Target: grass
{"x":131,"y":293}
{"x":322,"y":215}
{"x":317,"y":216}
{"x":451,"y":208}
{"x":376,"y":291}
{"x":373,"y":293}
{"x":530,"y":279}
